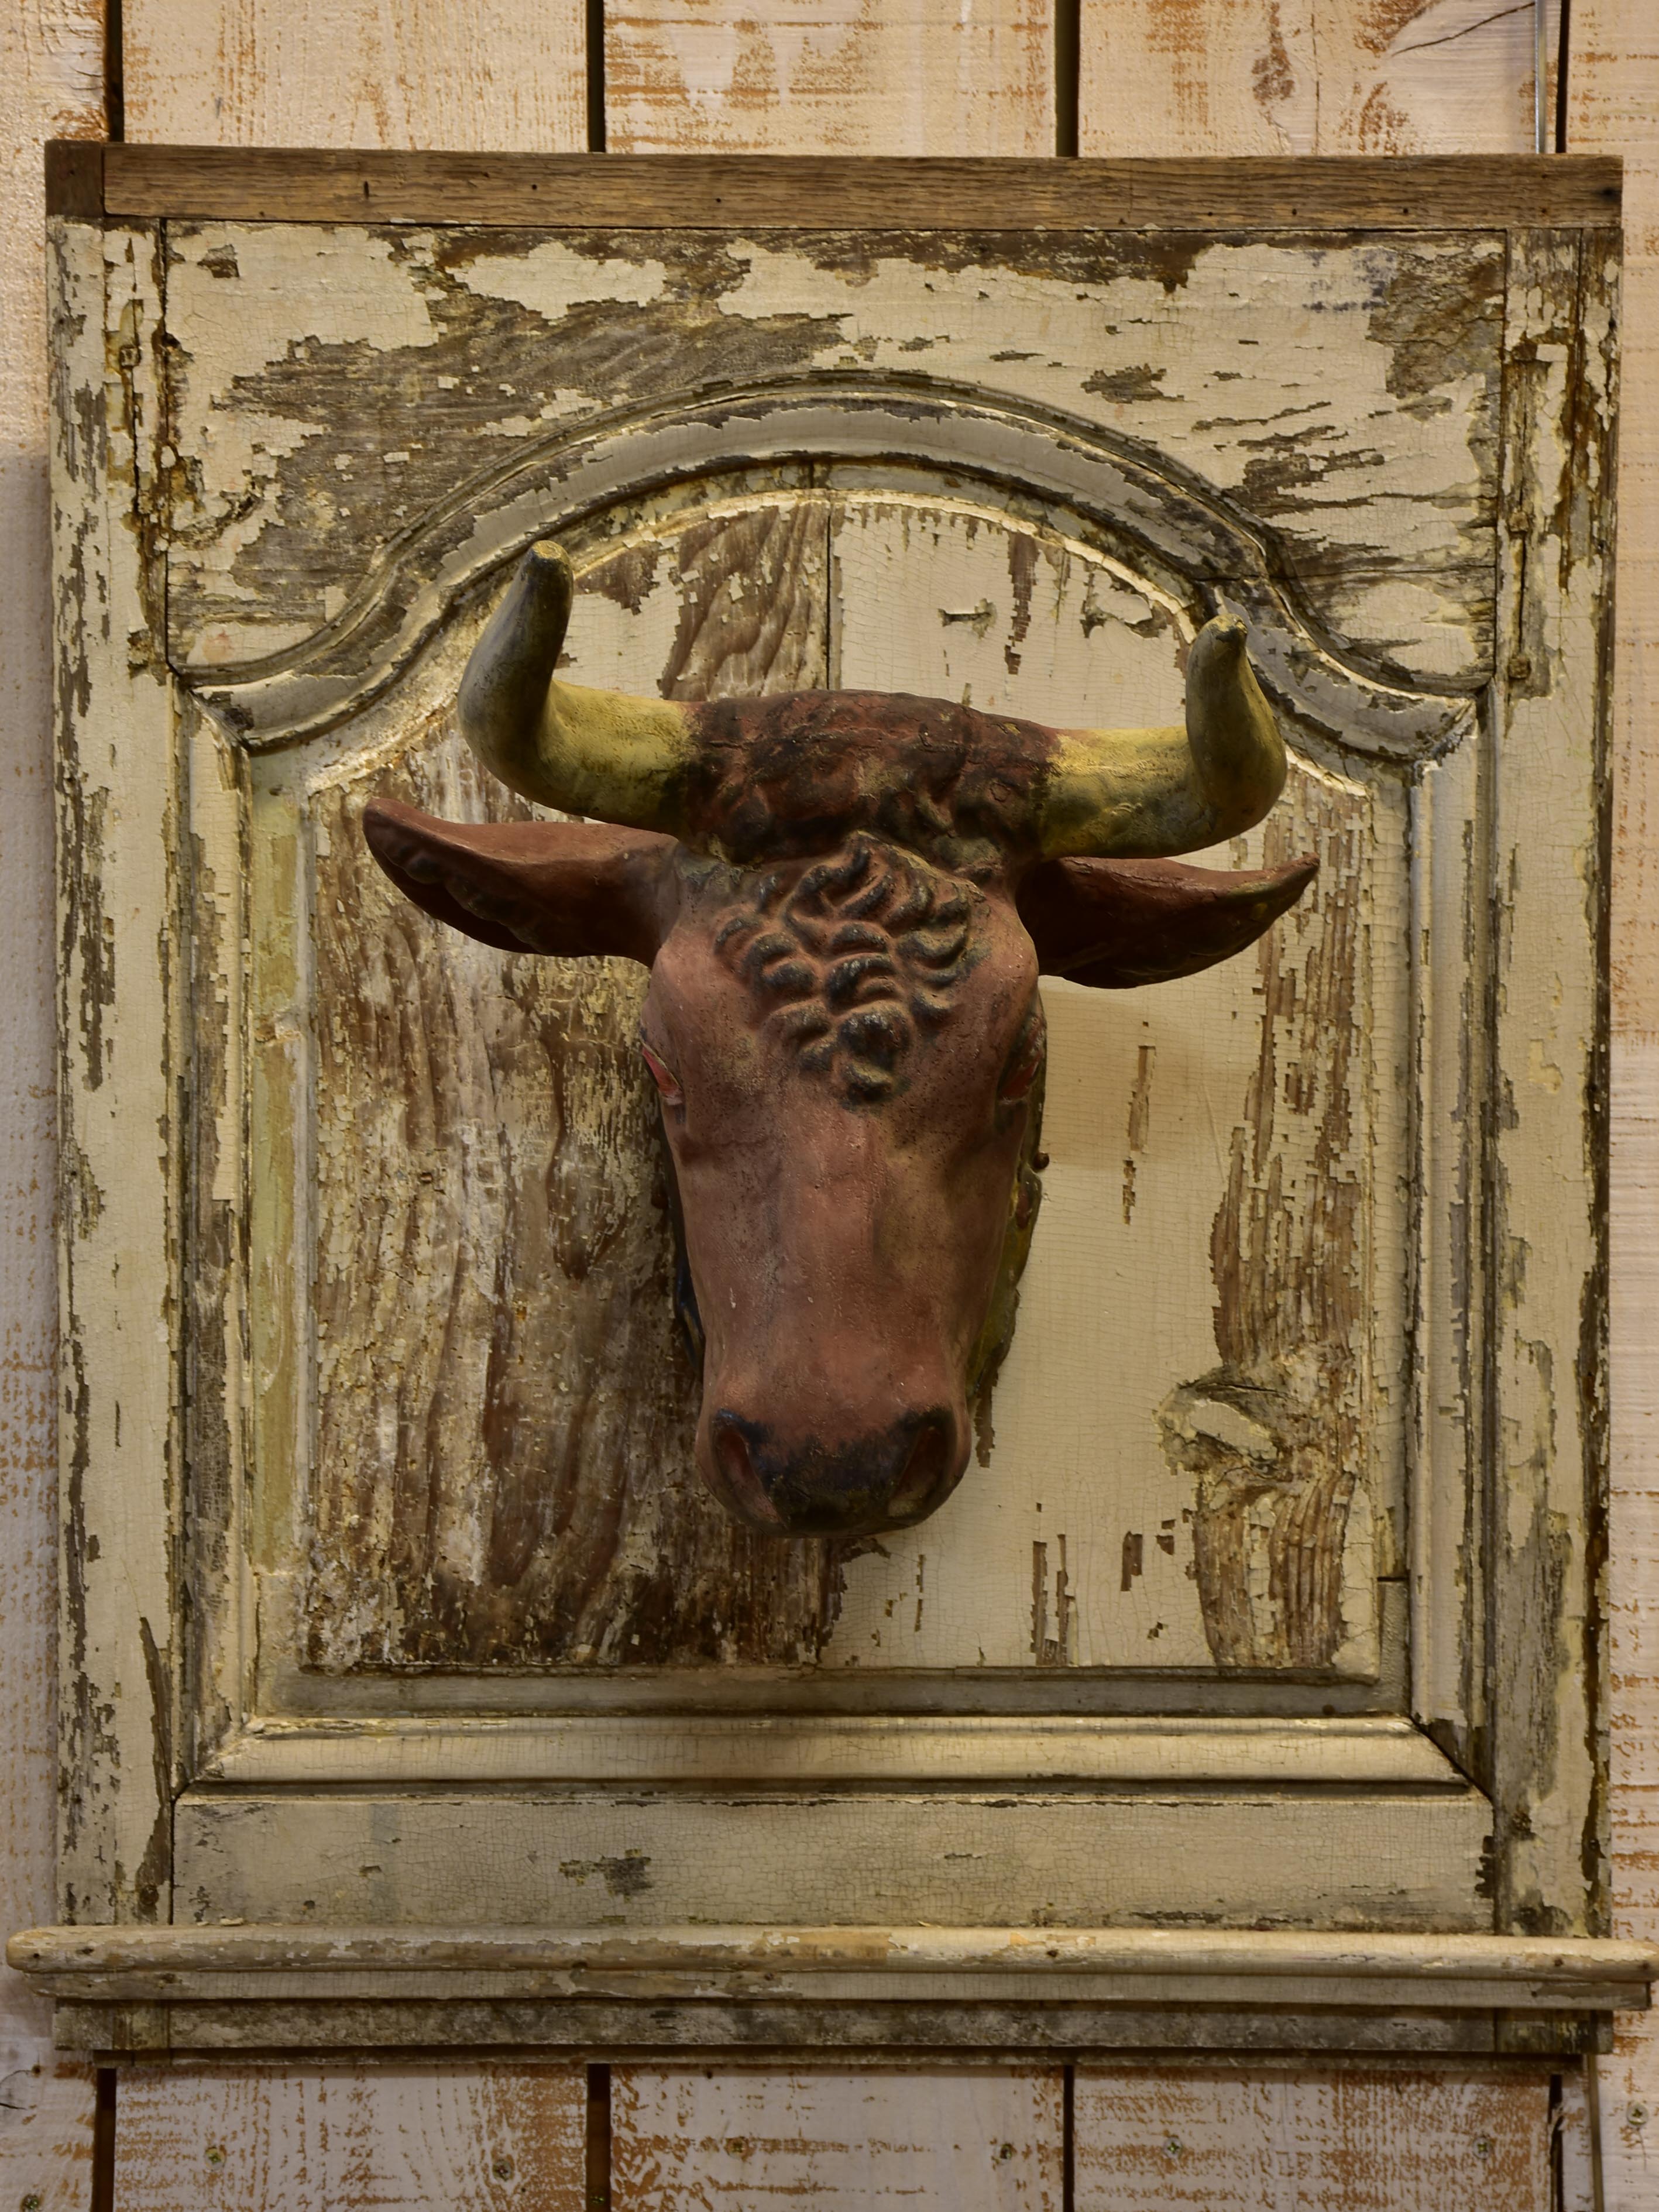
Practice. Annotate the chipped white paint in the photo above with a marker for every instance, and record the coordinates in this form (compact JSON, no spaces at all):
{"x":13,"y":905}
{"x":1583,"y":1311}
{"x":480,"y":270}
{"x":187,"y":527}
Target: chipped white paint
{"x":1614,"y":91}
{"x":118,"y":982}
{"x":51,"y":85}
{"x":1229,"y":1208}
{"x":638,"y":1856}
{"x":1220,"y":358}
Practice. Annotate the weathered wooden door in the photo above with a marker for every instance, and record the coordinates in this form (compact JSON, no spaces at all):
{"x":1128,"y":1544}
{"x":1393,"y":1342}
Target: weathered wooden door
{"x":1266,"y":1603}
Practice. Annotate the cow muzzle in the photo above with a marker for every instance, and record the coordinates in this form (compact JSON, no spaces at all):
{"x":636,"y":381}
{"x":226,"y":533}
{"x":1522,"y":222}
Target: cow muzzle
{"x":889,"y":1479}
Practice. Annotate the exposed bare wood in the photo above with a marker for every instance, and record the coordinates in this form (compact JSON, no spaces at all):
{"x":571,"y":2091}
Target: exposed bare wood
{"x":45,"y":2121}
{"x":1395,"y":2141}
{"x":117,"y":999}
{"x":1396,"y":77}
{"x":318,"y":73}
{"x":1380,"y":499}
{"x":985,"y":2141}
{"x":843,"y":76}
{"x":543,"y":1502}
{"x":50,"y":85}
{"x":1549,"y":1530}
{"x":1614,"y":88}
{"x":432,"y":2138}
{"x":714,"y":193}
{"x":204,"y":1958}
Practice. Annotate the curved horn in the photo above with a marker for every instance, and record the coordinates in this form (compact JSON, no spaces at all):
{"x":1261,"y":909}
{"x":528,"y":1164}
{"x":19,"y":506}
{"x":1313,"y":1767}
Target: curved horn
{"x":599,"y":753}
{"x":1141,"y":793}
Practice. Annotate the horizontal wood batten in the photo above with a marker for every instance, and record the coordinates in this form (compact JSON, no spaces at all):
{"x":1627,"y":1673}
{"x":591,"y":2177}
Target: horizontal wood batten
{"x":804,"y":192}
{"x":246,"y":1989}
{"x":786,"y":1751}
{"x":1535,"y":1961}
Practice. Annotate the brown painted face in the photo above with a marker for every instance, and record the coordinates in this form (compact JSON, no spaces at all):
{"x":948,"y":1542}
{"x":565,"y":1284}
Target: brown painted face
{"x":848,"y":1051}
{"x":845,"y":900}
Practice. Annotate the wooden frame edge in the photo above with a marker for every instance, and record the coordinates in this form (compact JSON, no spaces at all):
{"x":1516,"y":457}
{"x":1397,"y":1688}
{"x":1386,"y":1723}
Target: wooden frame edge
{"x":804,"y":192}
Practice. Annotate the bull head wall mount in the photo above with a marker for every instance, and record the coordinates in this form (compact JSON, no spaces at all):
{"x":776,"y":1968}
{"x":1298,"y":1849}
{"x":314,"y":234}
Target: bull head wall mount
{"x":846,"y":900}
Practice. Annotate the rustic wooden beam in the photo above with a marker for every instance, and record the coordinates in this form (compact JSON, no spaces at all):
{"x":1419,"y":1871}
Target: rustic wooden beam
{"x":716,"y":193}
{"x":1538,"y":1965}
{"x":845,"y":1990}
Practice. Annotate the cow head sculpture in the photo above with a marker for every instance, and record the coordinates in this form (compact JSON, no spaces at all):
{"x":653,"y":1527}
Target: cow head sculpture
{"x":845,"y":900}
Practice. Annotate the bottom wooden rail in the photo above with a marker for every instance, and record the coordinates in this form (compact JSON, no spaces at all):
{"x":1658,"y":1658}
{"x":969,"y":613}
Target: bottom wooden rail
{"x":229,"y":1988}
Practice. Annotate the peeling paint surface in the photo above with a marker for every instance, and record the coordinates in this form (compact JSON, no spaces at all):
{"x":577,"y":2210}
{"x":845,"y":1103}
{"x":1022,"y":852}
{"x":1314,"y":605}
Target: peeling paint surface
{"x":1317,"y":1264}
{"x":501,"y":1467}
{"x":322,"y":413}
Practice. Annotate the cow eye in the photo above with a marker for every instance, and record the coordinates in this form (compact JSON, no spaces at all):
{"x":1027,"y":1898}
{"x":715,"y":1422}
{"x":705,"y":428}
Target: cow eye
{"x":662,"y":1076}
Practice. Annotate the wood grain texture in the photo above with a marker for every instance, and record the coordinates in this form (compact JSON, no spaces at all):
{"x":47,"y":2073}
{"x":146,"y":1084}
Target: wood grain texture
{"x":369,"y":73}
{"x":1395,"y":77}
{"x":118,"y":1376}
{"x":1613,"y":89}
{"x":504,"y":1411}
{"x":831,"y":76}
{"x":51,"y":85}
{"x":1186,"y":1506}
{"x":432,"y":2138}
{"x":1379,"y":488}
{"x":652,"y":1854}
{"x":806,"y":192}
{"x":46,"y":2101}
{"x":477,"y":1500}
{"x":1546,"y":859}
{"x":1357,"y":2141}
{"x":724,"y":2141}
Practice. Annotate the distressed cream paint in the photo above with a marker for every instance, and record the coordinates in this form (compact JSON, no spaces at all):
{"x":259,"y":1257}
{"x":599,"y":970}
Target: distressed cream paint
{"x":1613,"y":84}
{"x":1446,"y":115}
{"x":50,"y":83}
{"x":354,"y":1556}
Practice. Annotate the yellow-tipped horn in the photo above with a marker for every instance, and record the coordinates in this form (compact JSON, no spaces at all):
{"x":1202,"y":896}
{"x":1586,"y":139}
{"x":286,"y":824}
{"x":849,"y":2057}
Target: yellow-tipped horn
{"x":599,"y":753}
{"x":1142,"y":793}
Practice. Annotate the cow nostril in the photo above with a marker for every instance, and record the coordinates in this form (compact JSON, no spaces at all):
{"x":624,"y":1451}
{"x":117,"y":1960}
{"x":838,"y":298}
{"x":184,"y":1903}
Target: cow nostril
{"x":737,"y":1466}
{"x":927,"y":1465}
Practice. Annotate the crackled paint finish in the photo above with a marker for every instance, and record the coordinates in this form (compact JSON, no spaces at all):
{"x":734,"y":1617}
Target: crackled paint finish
{"x":1265,"y":1502}
{"x":302,"y":461}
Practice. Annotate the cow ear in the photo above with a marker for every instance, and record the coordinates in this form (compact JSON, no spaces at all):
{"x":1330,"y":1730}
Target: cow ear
{"x":1117,"y":923}
{"x":574,"y":888}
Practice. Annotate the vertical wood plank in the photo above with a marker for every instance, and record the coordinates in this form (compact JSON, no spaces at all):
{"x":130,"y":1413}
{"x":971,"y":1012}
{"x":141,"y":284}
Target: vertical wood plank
{"x":423,"y":73}
{"x":1548,"y":1428}
{"x":1306,"y":76}
{"x":1613,"y":85}
{"x":431,"y":2138}
{"x":486,"y":76}
{"x":984,"y":2141}
{"x":50,"y":85}
{"x":1354,"y":2140}
{"x":116,"y":775}
{"x":831,"y":77}
{"x":46,"y":2130}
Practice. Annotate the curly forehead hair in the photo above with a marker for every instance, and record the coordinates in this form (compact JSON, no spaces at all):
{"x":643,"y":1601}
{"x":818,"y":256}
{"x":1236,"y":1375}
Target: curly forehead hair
{"x":847,"y":962}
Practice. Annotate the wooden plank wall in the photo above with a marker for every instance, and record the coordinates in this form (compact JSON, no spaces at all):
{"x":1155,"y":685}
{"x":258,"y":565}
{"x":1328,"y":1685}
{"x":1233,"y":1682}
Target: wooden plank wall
{"x":1162,"y":76}
{"x":51,"y":83}
{"x":1613,"y":87}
